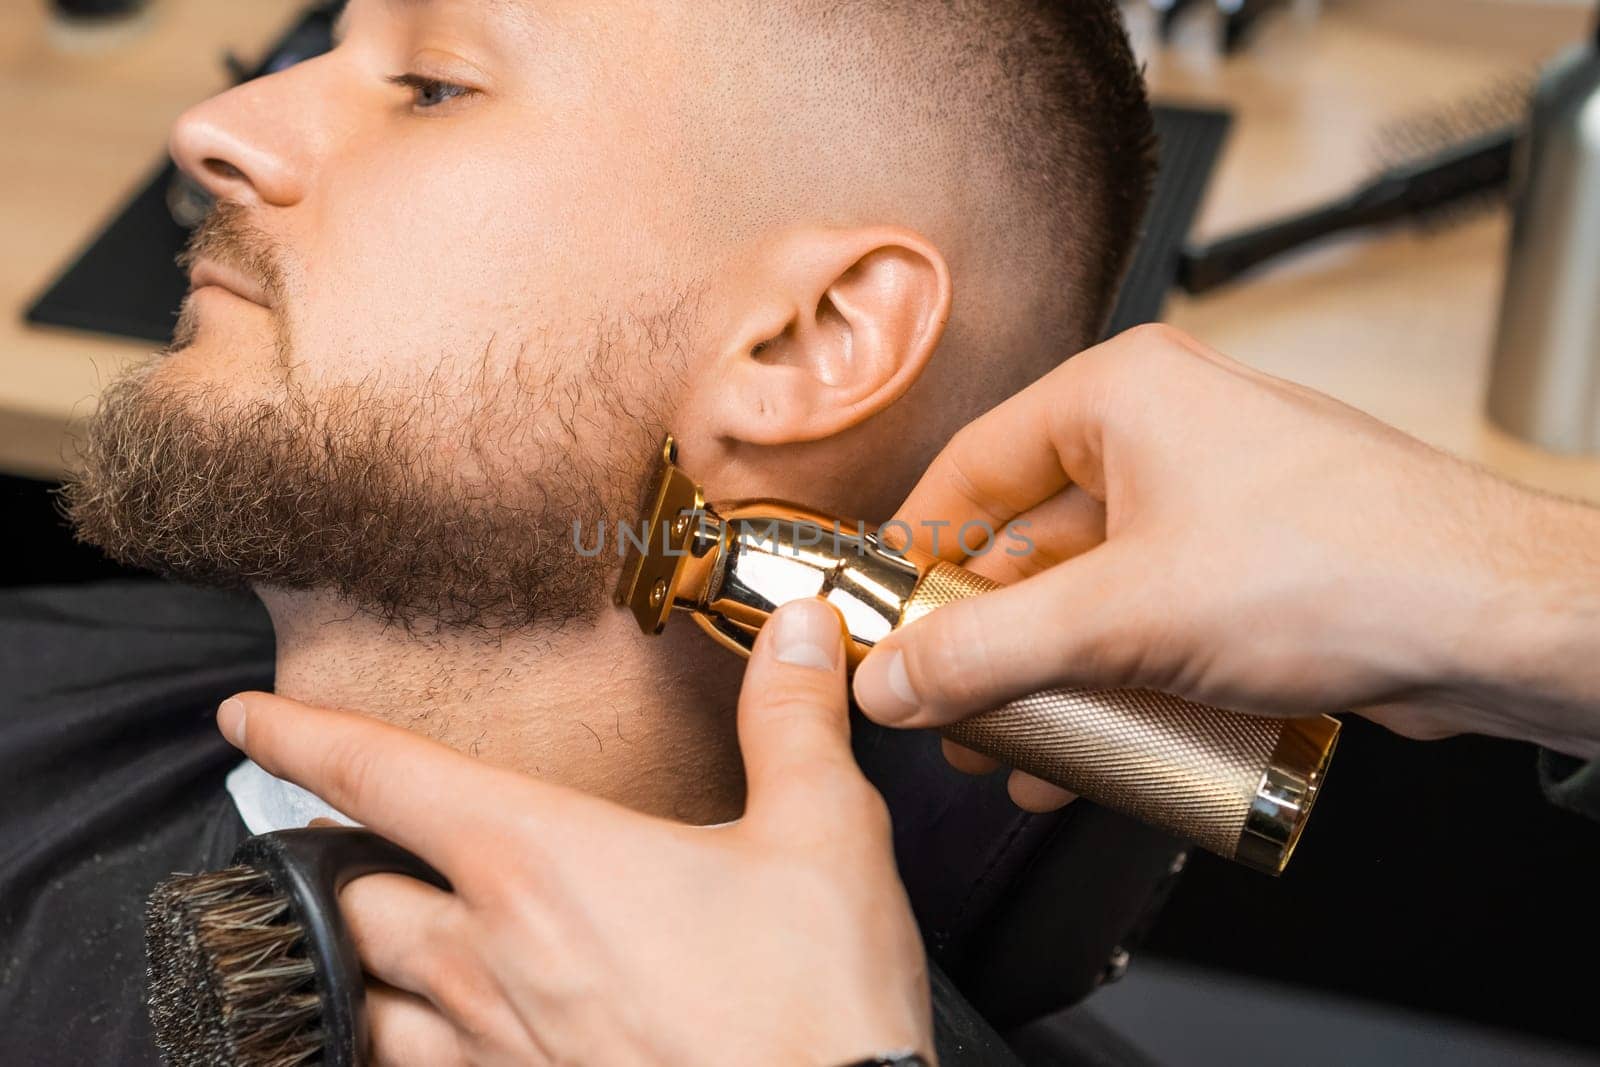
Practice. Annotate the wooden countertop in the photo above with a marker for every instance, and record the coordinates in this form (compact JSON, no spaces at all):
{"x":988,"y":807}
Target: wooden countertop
{"x":1399,"y":325}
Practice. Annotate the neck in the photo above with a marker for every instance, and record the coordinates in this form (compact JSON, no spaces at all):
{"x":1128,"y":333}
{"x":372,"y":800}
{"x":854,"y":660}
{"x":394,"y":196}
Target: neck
{"x":645,"y":721}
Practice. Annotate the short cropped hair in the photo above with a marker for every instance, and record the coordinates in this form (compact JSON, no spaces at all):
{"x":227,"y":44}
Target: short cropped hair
{"x":1030,"y":115}
{"x":1083,"y":134}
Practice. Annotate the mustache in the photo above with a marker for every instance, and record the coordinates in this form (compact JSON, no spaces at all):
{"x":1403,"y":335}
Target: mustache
{"x":228,"y":237}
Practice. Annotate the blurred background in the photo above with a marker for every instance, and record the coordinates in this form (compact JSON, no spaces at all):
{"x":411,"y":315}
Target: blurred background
{"x":1341,"y":182}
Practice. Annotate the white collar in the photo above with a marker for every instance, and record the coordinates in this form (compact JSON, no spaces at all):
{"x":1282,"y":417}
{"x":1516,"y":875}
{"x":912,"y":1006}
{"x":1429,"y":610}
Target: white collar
{"x":266,"y":803}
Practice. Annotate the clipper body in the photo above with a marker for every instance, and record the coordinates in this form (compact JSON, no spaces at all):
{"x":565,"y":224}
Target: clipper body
{"x":1238,"y":785}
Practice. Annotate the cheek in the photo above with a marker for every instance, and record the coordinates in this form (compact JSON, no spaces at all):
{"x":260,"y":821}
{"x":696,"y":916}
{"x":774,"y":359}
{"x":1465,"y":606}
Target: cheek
{"x":425,"y":254}
{"x":422,"y":272}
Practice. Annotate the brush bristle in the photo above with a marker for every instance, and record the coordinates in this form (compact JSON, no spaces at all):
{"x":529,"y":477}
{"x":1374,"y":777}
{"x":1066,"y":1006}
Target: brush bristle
{"x":1497,"y":109}
{"x":1501,"y":104}
{"x":230,"y":982}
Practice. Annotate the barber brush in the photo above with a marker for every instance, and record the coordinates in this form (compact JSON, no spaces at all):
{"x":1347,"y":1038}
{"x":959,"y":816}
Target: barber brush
{"x":1437,"y":168}
{"x":252,"y":965}
{"x":1238,"y":785}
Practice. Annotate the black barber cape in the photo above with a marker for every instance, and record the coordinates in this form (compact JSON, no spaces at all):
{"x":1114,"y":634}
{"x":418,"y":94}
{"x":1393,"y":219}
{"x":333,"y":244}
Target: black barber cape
{"x":111,"y":778}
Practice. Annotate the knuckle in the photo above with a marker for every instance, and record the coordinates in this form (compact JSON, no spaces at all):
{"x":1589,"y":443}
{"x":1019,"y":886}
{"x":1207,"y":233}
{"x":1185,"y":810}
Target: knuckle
{"x":796,"y":705}
{"x":440,"y":939}
{"x":462,"y":990}
{"x":803,"y":723}
{"x":963,"y":443}
{"x":969,"y":489}
{"x":795,"y":693}
{"x":1159,"y":337}
{"x":1158,"y":351}
{"x":952,"y":664}
{"x":522,"y":875}
{"x":1109,"y":652}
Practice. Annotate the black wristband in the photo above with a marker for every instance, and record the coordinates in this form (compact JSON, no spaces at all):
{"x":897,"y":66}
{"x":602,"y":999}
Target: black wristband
{"x":906,"y":1058}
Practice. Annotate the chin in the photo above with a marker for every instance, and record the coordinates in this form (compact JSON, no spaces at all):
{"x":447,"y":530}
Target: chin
{"x":220,"y":361}
{"x":219,"y":330}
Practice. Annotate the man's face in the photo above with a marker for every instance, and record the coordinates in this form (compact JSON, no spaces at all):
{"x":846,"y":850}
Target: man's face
{"x":457,"y":177}
{"x":443,"y":313}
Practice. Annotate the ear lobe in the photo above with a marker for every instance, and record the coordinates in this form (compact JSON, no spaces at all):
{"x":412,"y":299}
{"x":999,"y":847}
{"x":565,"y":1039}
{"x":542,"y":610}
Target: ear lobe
{"x":861,"y":314}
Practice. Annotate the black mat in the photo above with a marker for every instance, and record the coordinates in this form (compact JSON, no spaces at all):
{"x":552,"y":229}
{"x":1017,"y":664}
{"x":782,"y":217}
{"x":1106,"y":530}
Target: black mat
{"x":127,"y":283}
{"x":1190,"y":140}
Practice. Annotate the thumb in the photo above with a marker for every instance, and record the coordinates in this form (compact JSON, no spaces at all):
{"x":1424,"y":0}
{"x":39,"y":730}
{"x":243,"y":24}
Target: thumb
{"x":794,"y":726}
{"x":1077,"y":623}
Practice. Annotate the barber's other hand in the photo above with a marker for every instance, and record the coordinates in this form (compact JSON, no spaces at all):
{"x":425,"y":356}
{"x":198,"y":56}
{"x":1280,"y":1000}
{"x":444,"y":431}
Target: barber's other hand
{"x":581,"y":932}
{"x":1214,"y":532}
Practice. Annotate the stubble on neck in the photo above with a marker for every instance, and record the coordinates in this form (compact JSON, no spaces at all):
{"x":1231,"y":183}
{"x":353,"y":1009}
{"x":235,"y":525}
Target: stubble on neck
{"x":647,"y":722}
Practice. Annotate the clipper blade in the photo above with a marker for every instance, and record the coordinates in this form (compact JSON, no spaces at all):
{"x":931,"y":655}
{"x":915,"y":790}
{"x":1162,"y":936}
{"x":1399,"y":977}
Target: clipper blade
{"x":650,"y":565}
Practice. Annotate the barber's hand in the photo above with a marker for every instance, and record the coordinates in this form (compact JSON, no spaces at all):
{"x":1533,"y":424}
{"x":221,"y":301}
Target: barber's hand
{"x":1243,"y":541}
{"x":579,"y":931}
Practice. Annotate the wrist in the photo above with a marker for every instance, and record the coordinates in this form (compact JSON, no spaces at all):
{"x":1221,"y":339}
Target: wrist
{"x":1532,"y":656}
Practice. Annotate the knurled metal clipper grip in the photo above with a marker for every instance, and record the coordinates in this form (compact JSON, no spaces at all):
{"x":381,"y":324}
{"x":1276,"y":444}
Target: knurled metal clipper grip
{"x":1239,"y":785}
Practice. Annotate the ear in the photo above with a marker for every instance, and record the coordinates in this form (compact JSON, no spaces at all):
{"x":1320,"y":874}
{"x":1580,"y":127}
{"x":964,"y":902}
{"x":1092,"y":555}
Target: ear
{"x":837,"y":326}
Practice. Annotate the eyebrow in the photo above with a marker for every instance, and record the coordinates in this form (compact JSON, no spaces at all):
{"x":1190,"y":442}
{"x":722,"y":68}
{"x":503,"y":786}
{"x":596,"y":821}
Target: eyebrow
{"x":342,"y":23}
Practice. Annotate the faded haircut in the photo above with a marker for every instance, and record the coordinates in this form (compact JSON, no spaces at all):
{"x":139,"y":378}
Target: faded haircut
{"x":1027,"y":119}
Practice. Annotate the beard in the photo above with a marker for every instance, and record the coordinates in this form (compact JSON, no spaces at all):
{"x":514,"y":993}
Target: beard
{"x":348,"y":494}
{"x":422,"y":507}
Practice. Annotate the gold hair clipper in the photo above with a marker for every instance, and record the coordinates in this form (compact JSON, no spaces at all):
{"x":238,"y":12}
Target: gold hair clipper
{"x":1238,"y":785}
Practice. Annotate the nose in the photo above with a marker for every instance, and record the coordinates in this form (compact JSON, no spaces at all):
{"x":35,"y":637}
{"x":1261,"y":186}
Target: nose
{"x":256,"y":143}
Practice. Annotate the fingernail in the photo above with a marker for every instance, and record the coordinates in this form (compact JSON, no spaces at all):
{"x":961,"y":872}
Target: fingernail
{"x":230,"y":720}
{"x":883,"y":688}
{"x":807,"y":634}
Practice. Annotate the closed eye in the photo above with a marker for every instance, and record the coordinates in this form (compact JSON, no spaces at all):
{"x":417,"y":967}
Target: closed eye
{"x":430,"y":93}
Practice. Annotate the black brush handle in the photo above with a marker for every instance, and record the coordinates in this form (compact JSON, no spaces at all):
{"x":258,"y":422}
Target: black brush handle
{"x":1210,"y":266}
{"x":1469,"y":169}
{"x":309,"y":867}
